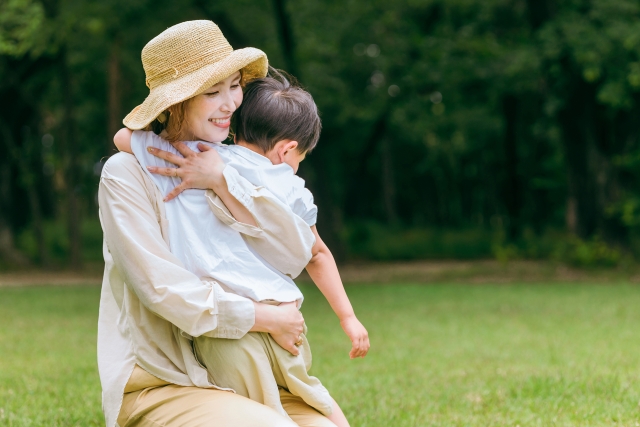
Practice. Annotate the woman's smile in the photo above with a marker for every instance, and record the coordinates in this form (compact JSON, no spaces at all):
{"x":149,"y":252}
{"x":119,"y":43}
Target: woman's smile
{"x":221,"y":123}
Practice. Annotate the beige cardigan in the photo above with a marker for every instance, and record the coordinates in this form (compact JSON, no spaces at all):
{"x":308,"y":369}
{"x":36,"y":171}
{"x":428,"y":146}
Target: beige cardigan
{"x":150,"y":306}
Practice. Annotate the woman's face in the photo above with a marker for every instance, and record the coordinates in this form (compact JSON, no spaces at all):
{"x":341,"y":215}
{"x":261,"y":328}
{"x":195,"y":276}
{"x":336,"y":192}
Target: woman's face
{"x":208,"y":116}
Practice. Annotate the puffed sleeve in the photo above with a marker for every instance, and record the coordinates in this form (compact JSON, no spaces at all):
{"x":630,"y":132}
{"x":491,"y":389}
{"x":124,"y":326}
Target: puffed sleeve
{"x":282,"y":238}
{"x":303,"y":206}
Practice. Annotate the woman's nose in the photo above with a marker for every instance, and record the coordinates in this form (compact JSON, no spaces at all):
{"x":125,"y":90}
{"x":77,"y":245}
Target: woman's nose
{"x":227,"y":106}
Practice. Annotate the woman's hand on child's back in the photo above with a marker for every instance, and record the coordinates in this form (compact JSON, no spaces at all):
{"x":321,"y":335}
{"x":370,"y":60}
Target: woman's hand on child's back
{"x":196,"y":169}
{"x":358,"y":335}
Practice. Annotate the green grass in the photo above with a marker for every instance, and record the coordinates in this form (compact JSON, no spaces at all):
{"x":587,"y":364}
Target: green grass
{"x":442,"y":355}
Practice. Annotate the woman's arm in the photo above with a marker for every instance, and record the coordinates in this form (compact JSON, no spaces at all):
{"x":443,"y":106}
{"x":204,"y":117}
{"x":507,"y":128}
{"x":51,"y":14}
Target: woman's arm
{"x":324,"y":273}
{"x":134,"y":238}
{"x":280,"y":236}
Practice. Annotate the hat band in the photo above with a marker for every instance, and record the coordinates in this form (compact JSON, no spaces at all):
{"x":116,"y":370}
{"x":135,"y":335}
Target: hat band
{"x":170,"y":73}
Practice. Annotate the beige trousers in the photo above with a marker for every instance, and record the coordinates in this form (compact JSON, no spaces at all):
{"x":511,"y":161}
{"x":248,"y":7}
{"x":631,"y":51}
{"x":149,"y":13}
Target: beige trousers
{"x":177,"y":406}
{"x":255,"y":366}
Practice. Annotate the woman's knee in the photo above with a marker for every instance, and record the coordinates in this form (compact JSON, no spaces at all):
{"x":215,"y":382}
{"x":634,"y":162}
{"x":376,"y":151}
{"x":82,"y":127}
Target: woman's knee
{"x":197,"y":407}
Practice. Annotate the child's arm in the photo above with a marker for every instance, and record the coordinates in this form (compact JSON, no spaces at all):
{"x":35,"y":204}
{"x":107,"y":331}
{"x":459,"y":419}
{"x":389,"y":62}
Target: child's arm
{"x":324,"y":272}
{"x":122,"y":140}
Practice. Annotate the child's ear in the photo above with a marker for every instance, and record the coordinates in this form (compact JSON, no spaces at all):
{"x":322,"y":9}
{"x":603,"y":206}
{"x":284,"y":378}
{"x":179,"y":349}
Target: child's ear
{"x":290,"y":146}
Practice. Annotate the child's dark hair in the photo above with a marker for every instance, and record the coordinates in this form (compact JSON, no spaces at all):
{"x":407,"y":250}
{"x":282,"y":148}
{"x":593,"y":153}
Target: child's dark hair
{"x":275,"y":108}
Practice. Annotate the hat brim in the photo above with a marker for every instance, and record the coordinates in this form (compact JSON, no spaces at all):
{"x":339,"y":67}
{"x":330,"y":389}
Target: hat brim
{"x":250,"y":61}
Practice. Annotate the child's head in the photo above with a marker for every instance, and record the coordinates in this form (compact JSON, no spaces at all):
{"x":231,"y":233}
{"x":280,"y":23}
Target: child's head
{"x":278,"y":117}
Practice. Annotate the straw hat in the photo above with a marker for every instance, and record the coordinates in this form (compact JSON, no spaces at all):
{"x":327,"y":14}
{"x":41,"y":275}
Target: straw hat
{"x":184,"y":61}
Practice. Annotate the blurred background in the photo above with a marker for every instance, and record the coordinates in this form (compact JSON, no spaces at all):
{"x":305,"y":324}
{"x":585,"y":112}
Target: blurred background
{"x":458,"y":129}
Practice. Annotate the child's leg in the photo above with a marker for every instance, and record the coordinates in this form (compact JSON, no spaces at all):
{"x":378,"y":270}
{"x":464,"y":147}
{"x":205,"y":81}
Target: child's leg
{"x":291,"y":373}
{"x":255,"y":365}
{"x":243,"y":365}
{"x":337,"y":416}
{"x":301,"y":413}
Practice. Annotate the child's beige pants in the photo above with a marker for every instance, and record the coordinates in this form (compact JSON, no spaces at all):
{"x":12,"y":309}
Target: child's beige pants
{"x":255,"y":366}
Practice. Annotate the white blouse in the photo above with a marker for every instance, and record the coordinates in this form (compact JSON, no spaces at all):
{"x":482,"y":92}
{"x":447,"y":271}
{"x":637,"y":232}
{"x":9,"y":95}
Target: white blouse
{"x":206,"y":245}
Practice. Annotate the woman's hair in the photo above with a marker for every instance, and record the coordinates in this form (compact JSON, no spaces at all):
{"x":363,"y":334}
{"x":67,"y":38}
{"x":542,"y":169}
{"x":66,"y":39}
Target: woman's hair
{"x":172,"y":121}
{"x":277,"y":108}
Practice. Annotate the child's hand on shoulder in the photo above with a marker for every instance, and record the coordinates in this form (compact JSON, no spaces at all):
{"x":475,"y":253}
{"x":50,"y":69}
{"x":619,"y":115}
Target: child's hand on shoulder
{"x":358,"y":335}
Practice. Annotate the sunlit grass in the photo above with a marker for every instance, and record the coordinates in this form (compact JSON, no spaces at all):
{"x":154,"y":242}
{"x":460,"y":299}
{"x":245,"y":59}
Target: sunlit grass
{"x":442,"y":355}
{"x":48,"y":374}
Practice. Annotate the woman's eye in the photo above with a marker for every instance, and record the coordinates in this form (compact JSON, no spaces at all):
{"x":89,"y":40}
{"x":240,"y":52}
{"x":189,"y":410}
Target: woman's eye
{"x":236,"y":86}
{"x":212,"y":93}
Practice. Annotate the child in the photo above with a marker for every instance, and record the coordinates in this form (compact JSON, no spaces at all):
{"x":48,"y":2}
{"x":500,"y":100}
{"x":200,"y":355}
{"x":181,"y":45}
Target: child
{"x":276,"y":126}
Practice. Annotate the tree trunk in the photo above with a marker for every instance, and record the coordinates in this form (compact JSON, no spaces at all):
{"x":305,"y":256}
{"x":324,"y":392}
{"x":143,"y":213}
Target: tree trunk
{"x":577,"y":121}
{"x":72,"y":168}
{"x":538,"y":12}
{"x":513,"y":197}
{"x":114,"y":97}
{"x":285,"y":33}
{"x":236,"y":38}
{"x":28,"y":183}
{"x":8,"y":251}
{"x":388,"y":181}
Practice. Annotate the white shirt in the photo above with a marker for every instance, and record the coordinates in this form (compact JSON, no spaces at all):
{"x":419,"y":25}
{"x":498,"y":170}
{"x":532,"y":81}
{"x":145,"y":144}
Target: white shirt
{"x":150,"y":304}
{"x":205,"y":244}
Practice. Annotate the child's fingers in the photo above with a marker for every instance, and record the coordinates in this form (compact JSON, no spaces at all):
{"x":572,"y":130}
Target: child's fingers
{"x":355,"y":349}
{"x":359,"y":347}
{"x":364,"y":346}
{"x":362,"y":351}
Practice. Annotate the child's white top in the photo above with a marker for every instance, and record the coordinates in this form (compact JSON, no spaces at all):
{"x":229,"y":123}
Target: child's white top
{"x":205,"y":245}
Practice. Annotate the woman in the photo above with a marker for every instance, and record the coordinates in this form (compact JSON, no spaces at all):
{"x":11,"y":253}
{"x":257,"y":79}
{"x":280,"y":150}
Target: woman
{"x":150,"y":305}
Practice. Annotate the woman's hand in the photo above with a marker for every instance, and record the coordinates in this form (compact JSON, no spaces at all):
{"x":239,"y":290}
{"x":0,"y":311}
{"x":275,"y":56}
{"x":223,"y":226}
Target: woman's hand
{"x":197,"y":170}
{"x":284,"y":322}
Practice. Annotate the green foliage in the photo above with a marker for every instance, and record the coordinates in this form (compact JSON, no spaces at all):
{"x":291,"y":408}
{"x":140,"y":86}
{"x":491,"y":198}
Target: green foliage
{"x":57,"y":241}
{"x":592,"y":253}
{"x":442,"y":355}
{"x":20,"y":21}
{"x":437,"y":115}
{"x":562,"y":247}
{"x":375,"y":242}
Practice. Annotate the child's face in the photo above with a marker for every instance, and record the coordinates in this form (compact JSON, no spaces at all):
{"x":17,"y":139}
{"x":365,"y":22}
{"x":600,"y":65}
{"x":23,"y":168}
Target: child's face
{"x":208,"y":116}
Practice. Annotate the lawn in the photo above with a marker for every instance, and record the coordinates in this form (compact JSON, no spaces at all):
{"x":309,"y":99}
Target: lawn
{"x":442,"y":355}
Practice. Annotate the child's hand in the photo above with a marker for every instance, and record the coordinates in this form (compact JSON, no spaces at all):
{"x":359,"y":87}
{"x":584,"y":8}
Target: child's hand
{"x":358,"y":335}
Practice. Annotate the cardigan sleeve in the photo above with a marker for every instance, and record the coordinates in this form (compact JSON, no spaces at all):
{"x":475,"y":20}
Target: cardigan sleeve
{"x":134,"y":238}
{"x":281,"y":237}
